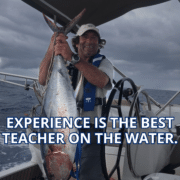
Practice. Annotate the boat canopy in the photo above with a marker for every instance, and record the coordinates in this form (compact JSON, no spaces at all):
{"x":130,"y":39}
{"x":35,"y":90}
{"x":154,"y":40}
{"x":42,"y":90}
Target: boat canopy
{"x":97,"y":11}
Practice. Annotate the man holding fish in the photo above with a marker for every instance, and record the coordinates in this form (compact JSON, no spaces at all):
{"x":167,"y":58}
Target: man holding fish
{"x":94,"y":78}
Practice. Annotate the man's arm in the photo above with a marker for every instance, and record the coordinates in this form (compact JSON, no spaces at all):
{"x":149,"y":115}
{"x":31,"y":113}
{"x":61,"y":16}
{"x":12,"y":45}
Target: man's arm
{"x":92,"y":74}
{"x":45,"y":63}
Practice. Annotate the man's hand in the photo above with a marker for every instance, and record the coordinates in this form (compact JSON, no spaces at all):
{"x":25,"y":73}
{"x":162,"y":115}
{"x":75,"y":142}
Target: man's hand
{"x":62,"y":47}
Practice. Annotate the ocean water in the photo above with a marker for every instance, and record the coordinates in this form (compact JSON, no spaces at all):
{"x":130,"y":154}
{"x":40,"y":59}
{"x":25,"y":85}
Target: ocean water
{"x":15,"y":101}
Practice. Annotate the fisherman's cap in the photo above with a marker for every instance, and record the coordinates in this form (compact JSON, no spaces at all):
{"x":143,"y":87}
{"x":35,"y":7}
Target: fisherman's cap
{"x":87,"y":27}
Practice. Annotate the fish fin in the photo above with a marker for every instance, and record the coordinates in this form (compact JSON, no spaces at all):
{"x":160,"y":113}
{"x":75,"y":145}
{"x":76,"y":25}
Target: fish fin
{"x":52,"y":25}
{"x":73,"y":22}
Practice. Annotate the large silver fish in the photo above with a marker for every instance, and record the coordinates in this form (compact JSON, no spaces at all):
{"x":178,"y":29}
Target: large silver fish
{"x":59,"y":101}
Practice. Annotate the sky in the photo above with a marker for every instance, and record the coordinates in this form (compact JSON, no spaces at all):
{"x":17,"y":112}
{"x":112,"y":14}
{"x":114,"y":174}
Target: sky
{"x":144,"y":43}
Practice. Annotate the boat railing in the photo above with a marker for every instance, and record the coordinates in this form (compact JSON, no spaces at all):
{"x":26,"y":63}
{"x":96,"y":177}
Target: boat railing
{"x":162,"y":108}
{"x":26,"y":85}
{"x":168,"y":103}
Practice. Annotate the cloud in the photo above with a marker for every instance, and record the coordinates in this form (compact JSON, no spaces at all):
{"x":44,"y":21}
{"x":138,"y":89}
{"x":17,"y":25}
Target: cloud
{"x":146,"y":34}
{"x":24,"y":35}
{"x":144,"y":43}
